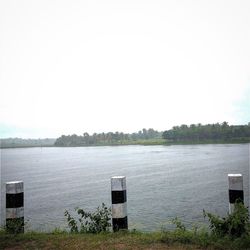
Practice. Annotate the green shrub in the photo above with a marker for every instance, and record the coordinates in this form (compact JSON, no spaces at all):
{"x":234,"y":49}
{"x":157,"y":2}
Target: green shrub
{"x":179,"y":225}
{"x":235,"y":224}
{"x":15,"y":226}
{"x":95,"y":222}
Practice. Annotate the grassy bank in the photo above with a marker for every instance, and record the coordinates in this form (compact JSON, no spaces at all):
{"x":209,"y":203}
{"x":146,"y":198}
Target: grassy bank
{"x":150,"y":142}
{"x":231,"y":141}
{"x":122,"y":240}
{"x":159,"y":141}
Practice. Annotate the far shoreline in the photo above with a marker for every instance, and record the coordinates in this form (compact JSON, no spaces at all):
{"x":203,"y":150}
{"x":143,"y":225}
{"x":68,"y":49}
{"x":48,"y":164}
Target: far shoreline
{"x":149,"y":143}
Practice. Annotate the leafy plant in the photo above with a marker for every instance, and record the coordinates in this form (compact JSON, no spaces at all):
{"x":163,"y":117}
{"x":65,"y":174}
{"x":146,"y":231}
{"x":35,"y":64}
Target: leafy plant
{"x":95,"y":222}
{"x":72,"y":223}
{"x":179,"y":225}
{"x":235,"y":224}
{"x":15,"y":226}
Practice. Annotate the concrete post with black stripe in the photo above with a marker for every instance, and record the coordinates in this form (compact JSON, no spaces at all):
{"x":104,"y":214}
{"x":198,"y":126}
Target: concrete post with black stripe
{"x":14,"y":207}
{"x":235,"y":182}
{"x":119,"y":203}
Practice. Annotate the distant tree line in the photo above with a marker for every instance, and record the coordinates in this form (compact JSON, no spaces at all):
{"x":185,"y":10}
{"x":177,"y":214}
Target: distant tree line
{"x":218,"y":132}
{"x":18,"y":142}
{"x":212,"y":132}
{"x":109,"y":138}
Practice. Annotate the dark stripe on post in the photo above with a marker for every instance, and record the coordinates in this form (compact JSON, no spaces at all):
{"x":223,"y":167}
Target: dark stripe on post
{"x":14,"y":200}
{"x":119,"y":197}
{"x":236,"y":195}
{"x":121,"y":223}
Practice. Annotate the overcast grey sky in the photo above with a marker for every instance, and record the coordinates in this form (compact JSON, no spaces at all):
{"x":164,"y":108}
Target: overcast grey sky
{"x":73,"y":66}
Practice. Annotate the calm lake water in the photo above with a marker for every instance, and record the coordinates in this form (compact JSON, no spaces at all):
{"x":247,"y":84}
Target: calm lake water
{"x":162,"y":181}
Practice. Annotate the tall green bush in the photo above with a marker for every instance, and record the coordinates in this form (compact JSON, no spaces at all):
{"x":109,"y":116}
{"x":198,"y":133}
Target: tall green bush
{"x":235,"y":224}
{"x":90,"y":222}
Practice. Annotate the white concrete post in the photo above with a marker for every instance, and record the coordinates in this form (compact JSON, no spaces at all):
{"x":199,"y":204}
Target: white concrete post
{"x":235,"y":182}
{"x":119,"y":203}
{"x":14,"y":206}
